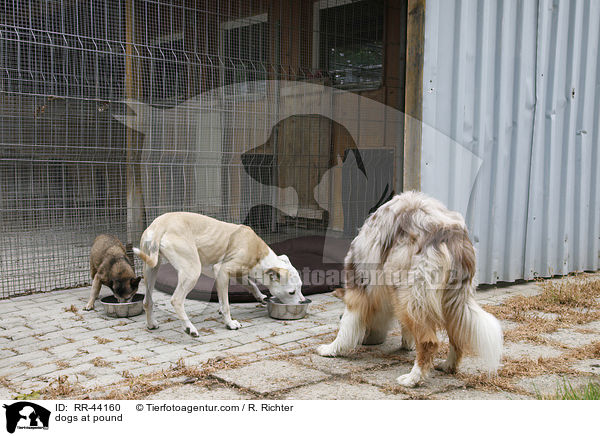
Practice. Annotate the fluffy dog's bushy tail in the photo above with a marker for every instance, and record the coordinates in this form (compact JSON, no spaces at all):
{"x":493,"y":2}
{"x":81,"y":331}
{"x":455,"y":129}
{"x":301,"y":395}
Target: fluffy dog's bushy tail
{"x":473,"y":328}
{"x":486,"y":335}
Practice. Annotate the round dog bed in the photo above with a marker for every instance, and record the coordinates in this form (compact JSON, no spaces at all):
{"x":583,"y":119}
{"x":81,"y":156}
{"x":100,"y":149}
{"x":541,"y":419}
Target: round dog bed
{"x":319,"y":262}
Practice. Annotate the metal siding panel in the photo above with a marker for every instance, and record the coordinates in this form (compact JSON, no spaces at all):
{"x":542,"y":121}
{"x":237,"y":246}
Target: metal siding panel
{"x":562,"y":230}
{"x":497,"y":82}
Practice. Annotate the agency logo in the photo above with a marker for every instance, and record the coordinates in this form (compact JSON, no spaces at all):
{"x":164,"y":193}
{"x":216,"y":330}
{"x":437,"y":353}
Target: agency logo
{"x":26,"y":415}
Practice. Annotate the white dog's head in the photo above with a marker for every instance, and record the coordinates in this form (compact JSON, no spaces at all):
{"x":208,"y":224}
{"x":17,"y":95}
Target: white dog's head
{"x":283,"y":281}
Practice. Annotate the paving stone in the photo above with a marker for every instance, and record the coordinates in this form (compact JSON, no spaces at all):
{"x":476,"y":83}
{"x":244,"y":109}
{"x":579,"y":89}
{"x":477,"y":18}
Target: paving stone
{"x":591,"y":366}
{"x":287,"y":337}
{"x":145,"y":369}
{"x":519,"y":350}
{"x":270,"y":375}
{"x":340,"y":390}
{"x":248,"y":348}
{"x":390,"y":348}
{"x":6,"y":354}
{"x":6,"y":394}
{"x":549,"y":384}
{"x":572,"y":338}
{"x":320,"y":329}
{"x":212,"y":346}
{"x":200,"y":359}
{"x":437,"y":381}
{"x":356,"y":362}
{"x":549,"y":316}
{"x":197,"y":392}
{"x":43,"y":369}
{"x":508,"y":325}
{"x":171,"y":356}
{"x":62,"y":333}
{"x":103,"y":380}
{"x":473,"y":394}
{"x":32,"y":347}
{"x":31,"y":358}
{"x":13,"y":371}
{"x":593,"y":326}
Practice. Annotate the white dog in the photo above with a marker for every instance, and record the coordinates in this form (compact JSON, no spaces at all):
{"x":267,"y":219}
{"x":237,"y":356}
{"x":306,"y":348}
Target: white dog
{"x":189,"y":241}
{"x":412,"y":260}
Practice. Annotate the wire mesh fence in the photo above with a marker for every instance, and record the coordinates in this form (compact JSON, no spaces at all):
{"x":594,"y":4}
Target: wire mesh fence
{"x":113,"y":112}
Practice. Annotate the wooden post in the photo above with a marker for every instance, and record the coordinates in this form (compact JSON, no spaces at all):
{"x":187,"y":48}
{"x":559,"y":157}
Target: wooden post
{"x":135,"y":203}
{"x":415,"y":44}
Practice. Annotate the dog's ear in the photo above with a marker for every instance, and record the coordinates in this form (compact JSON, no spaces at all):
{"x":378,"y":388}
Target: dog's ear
{"x":285,"y":258}
{"x":339,"y":293}
{"x":135,"y":282}
{"x":277,"y":273}
{"x":273,"y":274}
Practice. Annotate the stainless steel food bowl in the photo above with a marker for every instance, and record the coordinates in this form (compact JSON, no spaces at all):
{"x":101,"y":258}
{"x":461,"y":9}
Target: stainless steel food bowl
{"x":278,"y":310}
{"x":123,"y":310}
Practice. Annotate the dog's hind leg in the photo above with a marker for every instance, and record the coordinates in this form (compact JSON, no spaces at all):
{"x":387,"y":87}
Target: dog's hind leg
{"x":186,"y":279}
{"x":378,"y":327}
{"x":96,"y":285}
{"x":452,"y":361}
{"x":351,"y":333}
{"x":150,"y":279}
{"x":408,"y":342}
{"x":222,"y":283}
{"x":426,"y":345}
{"x":184,"y":258}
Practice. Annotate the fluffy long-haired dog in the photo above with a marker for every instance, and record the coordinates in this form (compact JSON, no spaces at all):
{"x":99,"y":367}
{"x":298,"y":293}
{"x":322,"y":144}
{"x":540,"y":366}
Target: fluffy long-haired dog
{"x":412,"y":260}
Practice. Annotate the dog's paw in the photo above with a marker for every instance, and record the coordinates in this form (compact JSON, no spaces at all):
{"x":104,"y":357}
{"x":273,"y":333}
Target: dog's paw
{"x":89,"y":307}
{"x":152,"y":326}
{"x":192,"y":331}
{"x":234,"y":325}
{"x":326,"y":350}
{"x":409,"y":380}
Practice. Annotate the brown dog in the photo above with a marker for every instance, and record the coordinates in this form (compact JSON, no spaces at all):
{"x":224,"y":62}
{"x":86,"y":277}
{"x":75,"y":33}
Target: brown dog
{"x":111,"y":267}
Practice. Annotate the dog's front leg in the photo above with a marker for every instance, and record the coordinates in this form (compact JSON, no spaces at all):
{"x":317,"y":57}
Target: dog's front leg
{"x":222,"y":282}
{"x":260,"y":297}
{"x":96,"y":285}
{"x":350,"y":334}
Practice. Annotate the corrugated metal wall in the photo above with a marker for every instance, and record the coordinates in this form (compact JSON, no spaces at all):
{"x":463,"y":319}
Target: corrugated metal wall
{"x":517,"y":84}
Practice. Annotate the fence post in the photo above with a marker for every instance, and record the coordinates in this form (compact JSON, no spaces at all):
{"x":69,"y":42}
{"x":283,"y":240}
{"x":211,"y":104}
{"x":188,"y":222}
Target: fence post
{"x":135,"y":202}
{"x":415,"y":45}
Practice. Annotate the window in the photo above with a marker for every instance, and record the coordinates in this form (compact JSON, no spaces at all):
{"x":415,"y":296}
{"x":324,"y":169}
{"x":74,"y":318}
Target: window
{"x":245,"y":55}
{"x":169,"y":79}
{"x":351,"y":42}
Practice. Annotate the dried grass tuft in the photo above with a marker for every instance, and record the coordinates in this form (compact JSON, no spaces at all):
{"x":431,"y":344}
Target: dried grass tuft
{"x":100,"y":362}
{"x":575,"y":299}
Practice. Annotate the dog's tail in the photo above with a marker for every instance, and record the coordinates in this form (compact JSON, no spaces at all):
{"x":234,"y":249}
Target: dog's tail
{"x":151,"y":260}
{"x":471,"y":327}
{"x":151,"y":249}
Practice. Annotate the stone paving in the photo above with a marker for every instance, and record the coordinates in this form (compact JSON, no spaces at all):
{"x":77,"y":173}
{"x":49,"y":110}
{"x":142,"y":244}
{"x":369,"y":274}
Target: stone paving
{"x":47,"y":337}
